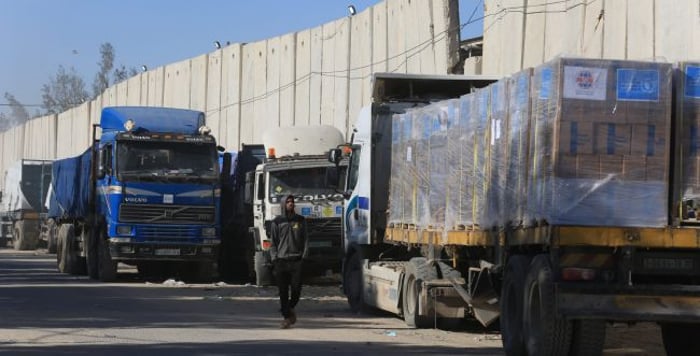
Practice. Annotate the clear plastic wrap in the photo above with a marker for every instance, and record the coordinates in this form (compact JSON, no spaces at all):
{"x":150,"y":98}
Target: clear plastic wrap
{"x":687,"y":200}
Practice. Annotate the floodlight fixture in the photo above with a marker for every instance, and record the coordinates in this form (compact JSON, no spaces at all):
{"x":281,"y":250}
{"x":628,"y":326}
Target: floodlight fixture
{"x":217,"y":44}
{"x":351,"y":10}
{"x":144,"y":68}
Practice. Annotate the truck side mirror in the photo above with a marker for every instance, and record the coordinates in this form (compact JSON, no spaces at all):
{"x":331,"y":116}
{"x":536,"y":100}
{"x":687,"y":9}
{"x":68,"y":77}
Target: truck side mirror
{"x":335,"y":155}
{"x":249,"y":186}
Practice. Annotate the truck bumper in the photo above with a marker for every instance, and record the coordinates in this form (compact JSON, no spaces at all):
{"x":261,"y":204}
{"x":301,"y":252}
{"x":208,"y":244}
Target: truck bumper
{"x":162,"y":252}
{"x":648,"y":303}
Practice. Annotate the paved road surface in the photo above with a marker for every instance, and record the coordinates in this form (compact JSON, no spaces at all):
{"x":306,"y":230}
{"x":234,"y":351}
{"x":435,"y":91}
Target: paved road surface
{"x":44,"y":312}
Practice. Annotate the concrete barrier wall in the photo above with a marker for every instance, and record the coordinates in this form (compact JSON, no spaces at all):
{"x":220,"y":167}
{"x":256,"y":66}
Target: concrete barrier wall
{"x":525,"y":33}
{"x":320,"y":75}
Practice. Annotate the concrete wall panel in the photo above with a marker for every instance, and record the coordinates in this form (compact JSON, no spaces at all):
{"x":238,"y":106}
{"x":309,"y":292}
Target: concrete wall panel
{"x":614,"y":37}
{"x":198,"y":82}
{"x":328,"y":71}
{"x":535,"y":34}
{"x":122,"y":93}
{"x":360,"y":63}
{"x":446,"y":35}
{"x":272,"y":95}
{"x":260,"y":121}
{"x":640,"y":29}
{"x":302,"y":78}
{"x":674,"y":23}
{"x":133,"y":90}
{"x":340,"y":68}
{"x":555,"y":28}
{"x":249,"y":54}
{"x":109,"y":96}
{"x":155,"y":86}
{"x":40,"y":138}
{"x":231,"y":96}
{"x":212,"y":108}
{"x":176,"y":87}
{"x":594,"y":15}
{"x":316,"y":79}
{"x":287,"y":77}
{"x":396,"y":35}
{"x":380,"y":48}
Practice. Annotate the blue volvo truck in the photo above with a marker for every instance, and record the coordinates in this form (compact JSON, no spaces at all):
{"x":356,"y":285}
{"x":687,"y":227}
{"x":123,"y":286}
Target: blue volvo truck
{"x":146,"y":193}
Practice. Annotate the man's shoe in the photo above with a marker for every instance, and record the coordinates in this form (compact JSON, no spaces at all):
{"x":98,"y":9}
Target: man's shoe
{"x":286,"y":323}
{"x":292,"y":317}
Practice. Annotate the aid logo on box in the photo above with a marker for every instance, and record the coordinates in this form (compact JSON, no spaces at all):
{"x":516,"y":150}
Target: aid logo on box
{"x":585,"y":83}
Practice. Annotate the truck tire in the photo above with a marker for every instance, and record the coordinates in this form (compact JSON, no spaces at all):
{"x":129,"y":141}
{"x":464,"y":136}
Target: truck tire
{"x":512,"y":292}
{"x":588,"y":337}
{"x":24,"y":236}
{"x":417,"y":270}
{"x":353,"y":283}
{"x":106,"y":267}
{"x":544,"y":332}
{"x":67,"y":256}
{"x":263,"y":270}
{"x":681,"y":339}
{"x":91,"y":254}
{"x":51,"y":233}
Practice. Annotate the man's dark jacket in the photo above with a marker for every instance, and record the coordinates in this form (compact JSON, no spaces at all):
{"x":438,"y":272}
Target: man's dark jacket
{"x":289,"y":236}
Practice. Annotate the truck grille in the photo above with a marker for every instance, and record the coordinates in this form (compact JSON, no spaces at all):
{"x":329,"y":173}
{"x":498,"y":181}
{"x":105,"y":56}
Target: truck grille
{"x":323,"y":226}
{"x":166,"y":233}
{"x":166,"y":214}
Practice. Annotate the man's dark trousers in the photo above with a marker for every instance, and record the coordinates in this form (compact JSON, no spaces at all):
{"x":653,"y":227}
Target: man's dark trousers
{"x":288,"y":276}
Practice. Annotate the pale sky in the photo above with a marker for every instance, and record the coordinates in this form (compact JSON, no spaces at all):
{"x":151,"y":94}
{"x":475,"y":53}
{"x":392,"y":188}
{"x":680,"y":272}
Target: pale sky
{"x":36,"y":36}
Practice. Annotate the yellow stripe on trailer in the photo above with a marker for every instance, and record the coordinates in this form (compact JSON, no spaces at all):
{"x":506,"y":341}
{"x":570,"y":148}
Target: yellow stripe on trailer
{"x":439,"y":237}
{"x":626,"y":236}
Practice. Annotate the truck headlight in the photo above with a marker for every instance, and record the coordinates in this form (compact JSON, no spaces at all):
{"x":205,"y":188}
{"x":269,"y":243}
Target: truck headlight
{"x":124,"y":230}
{"x":208,"y":232}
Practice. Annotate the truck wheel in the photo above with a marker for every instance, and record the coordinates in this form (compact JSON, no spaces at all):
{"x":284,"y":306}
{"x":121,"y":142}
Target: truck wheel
{"x":417,"y":270}
{"x":681,"y":339}
{"x":353,"y":283}
{"x":512,"y":291}
{"x":24,"y":236}
{"x":588,"y":337}
{"x":67,"y":257}
{"x":545,"y":333}
{"x":51,"y":231}
{"x":263,"y":272}
{"x":106,"y":267}
{"x":91,"y":255}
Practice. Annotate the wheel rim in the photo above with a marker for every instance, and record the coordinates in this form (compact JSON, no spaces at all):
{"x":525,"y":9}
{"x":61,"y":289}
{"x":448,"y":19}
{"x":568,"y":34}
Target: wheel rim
{"x":411,"y":294}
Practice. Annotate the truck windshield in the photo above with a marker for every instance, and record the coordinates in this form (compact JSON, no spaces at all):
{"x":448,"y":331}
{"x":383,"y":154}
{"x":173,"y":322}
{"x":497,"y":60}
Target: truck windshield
{"x":170,"y":161}
{"x":303,"y":183}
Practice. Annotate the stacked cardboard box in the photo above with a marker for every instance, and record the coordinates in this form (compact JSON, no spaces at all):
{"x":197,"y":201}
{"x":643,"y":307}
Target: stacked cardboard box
{"x":398,"y":168}
{"x":517,"y":140}
{"x":688,"y":113}
{"x":601,"y":148}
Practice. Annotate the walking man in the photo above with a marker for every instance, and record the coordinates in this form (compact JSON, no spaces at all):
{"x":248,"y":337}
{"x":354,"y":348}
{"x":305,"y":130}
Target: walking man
{"x":289,"y":247}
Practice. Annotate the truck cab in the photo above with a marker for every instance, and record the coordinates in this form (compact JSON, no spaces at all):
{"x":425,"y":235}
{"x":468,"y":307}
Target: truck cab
{"x":296,"y":164}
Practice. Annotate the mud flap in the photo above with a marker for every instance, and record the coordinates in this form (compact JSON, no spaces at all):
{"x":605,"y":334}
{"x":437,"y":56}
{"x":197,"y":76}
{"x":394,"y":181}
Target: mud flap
{"x":480,"y":295}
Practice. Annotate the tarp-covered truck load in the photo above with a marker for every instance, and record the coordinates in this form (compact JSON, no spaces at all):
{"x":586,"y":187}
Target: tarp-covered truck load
{"x":22,"y":202}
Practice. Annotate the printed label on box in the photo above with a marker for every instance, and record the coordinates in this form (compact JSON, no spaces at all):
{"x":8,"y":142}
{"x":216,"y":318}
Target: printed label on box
{"x":637,"y":85}
{"x":692,"y":82}
{"x":546,"y":83}
{"x":585,"y":83}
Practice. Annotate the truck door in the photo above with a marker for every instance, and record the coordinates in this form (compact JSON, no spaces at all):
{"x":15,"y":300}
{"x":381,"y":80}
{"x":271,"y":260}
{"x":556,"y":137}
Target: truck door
{"x":258,"y":204}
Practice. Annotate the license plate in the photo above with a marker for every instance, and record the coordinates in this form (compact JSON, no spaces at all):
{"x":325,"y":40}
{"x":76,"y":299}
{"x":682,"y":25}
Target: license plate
{"x":668,"y":264}
{"x":168,"y":251}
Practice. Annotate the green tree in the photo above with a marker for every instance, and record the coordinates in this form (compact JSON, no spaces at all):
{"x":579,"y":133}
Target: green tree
{"x":64,"y":91}
{"x":106,"y":64}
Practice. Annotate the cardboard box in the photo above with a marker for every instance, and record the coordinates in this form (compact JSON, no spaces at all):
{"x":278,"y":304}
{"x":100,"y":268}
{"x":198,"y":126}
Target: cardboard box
{"x":612,"y":139}
{"x":649,"y":140}
{"x":588,"y":166}
{"x":657,"y":169}
{"x":575,"y":137}
{"x":610,"y":165}
{"x":568,"y":166}
{"x":634,"y":168}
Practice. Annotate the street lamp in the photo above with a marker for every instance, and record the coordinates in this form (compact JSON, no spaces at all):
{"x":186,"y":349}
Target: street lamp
{"x":351,"y":10}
